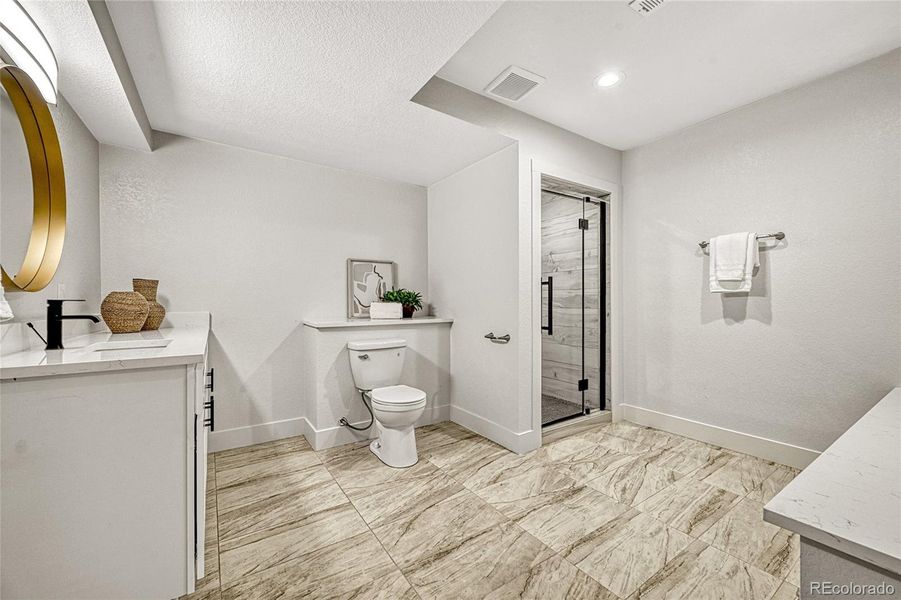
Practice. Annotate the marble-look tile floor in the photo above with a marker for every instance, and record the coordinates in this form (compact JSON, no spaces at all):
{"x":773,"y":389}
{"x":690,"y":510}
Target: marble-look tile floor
{"x":603,"y":511}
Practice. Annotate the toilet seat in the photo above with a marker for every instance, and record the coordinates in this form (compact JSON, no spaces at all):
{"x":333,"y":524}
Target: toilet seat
{"x":397,"y":397}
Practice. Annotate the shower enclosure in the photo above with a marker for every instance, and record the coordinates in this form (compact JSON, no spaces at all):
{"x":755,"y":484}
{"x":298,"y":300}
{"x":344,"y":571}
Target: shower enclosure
{"x":575,"y":311}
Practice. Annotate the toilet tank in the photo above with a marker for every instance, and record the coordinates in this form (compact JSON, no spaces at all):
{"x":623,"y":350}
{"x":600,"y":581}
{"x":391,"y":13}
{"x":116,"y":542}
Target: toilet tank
{"x":376,"y":363}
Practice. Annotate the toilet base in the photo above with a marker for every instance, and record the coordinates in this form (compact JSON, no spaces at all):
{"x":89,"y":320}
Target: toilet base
{"x":395,"y":447}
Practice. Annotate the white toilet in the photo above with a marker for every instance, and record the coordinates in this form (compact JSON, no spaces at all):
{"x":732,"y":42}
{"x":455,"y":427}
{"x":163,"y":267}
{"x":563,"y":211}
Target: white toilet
{"x":376,"y":366}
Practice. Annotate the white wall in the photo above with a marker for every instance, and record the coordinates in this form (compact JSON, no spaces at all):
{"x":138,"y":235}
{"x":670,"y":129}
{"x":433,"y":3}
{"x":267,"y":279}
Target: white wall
{"x":473,"y":278}
{"x":259,"y":241}
{"x":544,"y":144}
{"x":539,"y":140}
{"x":818,"y":341}
{"x":79,"y":268}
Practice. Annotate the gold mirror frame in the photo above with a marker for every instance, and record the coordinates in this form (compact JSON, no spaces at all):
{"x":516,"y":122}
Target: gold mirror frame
{"x":48,"y":182}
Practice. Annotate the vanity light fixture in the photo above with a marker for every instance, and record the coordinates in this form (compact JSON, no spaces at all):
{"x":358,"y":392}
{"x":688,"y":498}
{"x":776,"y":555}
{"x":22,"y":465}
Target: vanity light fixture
{"x":609,"y":79}
{"x":26,"y":46}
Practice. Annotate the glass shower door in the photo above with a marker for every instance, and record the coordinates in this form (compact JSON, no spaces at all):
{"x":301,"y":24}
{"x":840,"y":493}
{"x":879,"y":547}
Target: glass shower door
{"x":572,"y":288}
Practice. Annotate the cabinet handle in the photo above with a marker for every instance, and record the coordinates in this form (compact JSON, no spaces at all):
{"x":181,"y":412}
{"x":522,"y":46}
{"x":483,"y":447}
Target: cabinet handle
{"x":211,"y":420}
{"x":212,"y":375}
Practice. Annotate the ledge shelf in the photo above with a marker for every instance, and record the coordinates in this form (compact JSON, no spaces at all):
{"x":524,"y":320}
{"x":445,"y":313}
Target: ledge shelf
{"x":351,"y":323}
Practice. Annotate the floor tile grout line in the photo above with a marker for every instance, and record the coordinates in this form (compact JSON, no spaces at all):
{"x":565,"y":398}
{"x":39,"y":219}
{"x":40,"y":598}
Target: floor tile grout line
{"x":365,"y":522}
{"x":507,"y":520}
{"x":743,"y":561}
{"x":218,"y":538}
{"x":715,"y":523}
{"x":696,"y":537}
{"x":674,"y":438}
{"x":350,"y":503}
{"x":334,"y":479}
{"x":738,"y":499}
{"x":633,"y":459}
{"x":518,"y":526}
{"x":512,"y":522}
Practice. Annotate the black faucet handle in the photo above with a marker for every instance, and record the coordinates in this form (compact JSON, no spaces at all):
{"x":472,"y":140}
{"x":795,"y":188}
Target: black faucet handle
{"x":59,"y":301}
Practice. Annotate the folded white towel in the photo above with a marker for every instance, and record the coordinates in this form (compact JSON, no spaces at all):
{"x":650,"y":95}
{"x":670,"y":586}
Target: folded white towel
{"x":728,"y":256}
{"x":733,"y":258}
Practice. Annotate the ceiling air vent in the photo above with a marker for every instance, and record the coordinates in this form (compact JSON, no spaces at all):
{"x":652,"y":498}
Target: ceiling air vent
{"x":514,"y":83}
{"x":645,"y":6}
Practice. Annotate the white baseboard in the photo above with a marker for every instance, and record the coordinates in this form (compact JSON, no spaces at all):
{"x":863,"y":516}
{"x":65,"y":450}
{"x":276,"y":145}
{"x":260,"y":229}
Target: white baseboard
{"x":767,"y":449}
{"x":520,"y":443}
{"x":227,"y":439}
{"x":526,"y":441}
{"x":319,"y":438}
{"x":329,"y":437}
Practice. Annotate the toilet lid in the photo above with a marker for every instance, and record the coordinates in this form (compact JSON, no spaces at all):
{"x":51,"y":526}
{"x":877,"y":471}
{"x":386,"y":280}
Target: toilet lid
{"x":397,"y":394}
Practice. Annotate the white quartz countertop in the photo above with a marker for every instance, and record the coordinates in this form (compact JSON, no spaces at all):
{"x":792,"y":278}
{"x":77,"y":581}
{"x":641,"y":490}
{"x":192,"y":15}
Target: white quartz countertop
{"x":342,"y":323}
{"x":189,"y":334}
{"x":849,"y":498}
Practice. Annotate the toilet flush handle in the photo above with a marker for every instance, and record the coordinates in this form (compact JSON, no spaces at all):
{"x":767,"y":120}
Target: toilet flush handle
{"x":364,"y":357}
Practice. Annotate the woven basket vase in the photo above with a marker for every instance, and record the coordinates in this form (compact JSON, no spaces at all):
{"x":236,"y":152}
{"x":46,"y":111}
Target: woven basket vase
{"x":124,"y":312}
{"x":156,"y":314}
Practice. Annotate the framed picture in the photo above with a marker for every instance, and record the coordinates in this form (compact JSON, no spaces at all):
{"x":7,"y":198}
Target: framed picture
{"x":367,"y":282}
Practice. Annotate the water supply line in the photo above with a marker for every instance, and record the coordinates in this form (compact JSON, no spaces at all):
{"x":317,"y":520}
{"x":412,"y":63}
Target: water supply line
{"x":343,"y":420}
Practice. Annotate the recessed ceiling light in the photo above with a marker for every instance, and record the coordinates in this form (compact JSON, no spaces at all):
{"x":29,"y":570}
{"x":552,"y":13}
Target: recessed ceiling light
{"x":609,"y":79}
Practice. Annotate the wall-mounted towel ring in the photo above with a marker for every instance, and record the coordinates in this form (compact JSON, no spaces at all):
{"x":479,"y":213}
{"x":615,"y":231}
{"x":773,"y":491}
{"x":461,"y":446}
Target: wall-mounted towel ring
{"x":497,"y":339}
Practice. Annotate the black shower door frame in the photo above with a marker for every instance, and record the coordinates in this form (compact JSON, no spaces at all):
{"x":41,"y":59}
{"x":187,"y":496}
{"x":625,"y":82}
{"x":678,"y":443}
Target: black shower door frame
{"x":602,"y":307}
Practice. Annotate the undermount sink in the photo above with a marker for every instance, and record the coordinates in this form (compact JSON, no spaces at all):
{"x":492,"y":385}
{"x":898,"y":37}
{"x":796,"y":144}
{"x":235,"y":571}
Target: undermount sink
{"x":128,"y":345}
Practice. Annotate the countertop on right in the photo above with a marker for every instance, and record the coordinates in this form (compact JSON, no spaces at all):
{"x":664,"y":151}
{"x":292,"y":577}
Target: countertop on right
{"x":849,"y":498}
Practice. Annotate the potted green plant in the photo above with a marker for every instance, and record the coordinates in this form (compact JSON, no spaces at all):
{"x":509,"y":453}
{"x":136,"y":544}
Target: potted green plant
{"x":409,"y":300}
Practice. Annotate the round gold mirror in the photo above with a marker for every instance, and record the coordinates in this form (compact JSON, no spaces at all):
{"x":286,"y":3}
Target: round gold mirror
{"x":16,"y":210}
{"x":48,"y":184}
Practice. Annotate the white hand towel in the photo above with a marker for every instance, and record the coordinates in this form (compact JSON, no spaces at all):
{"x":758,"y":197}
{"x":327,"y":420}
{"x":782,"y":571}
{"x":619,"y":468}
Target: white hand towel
{"x":731,"y":255}
{"x":728,"y":256}
{"x":6,"y":313}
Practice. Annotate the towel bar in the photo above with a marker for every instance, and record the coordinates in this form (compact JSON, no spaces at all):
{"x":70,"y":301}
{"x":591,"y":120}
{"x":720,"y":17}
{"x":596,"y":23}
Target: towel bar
{"x":760,"y":236}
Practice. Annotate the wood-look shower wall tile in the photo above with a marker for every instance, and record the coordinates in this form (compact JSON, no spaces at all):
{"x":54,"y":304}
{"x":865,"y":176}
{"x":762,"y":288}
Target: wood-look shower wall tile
{"x":570,"y":355}
{"x":567,"y":373}
{"x":571,"y":335}
{"x":563,"y":259}
{"x":572,"y":280}
{"x":569,"y":260}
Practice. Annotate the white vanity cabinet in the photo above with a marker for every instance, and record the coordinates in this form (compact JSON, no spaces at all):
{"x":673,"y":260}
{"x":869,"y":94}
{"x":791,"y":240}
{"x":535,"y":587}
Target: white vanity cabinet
{"x":204,"y":383}
{"x":103,"y":468}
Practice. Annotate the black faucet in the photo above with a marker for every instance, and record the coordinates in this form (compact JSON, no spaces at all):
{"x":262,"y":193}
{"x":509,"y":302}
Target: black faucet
{"x":55,"y":318}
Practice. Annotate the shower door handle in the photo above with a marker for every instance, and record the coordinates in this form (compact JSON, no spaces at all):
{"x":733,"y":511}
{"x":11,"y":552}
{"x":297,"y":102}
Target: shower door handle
{"x":550,"y":306}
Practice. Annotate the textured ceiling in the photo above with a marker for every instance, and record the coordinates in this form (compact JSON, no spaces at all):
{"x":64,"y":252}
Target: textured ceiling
{"x":88,"y":77}
{"x":326,"y":82}
{"x":684,"y":63}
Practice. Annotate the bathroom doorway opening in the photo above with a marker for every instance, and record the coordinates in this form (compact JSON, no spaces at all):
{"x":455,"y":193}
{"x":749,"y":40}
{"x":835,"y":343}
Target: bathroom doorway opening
{"x":575,"y":300}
